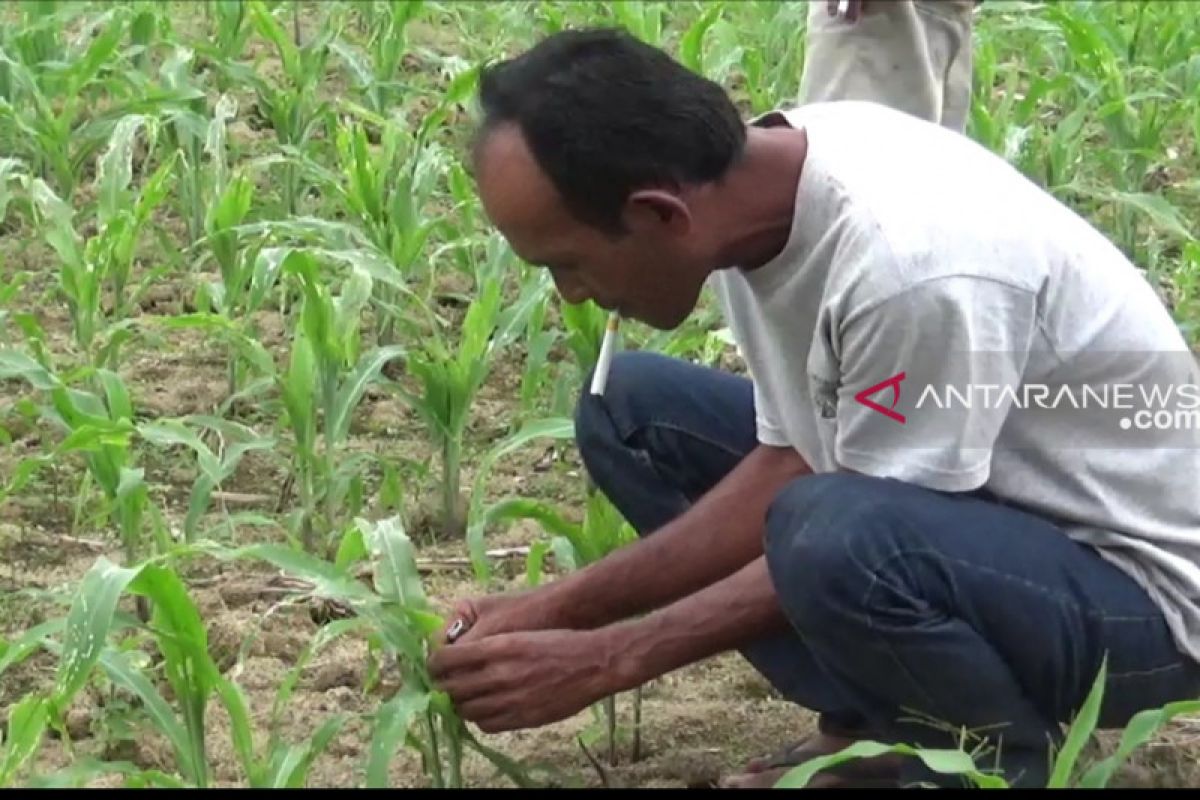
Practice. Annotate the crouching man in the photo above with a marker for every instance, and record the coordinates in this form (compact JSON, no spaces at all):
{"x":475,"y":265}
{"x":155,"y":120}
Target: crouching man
{"x":879,"y":518}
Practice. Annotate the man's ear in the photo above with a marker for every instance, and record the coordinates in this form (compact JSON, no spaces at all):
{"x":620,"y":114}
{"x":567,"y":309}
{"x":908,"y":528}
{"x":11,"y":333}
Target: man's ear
{"x":655,"y":209}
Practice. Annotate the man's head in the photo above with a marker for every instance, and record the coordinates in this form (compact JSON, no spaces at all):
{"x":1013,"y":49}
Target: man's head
{"x":592,"y":145}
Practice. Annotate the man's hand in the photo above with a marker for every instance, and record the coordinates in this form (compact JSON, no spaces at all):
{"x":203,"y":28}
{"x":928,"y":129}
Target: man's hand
{"x":501,"y":613}
{"x":854,"y":8}
{"x":509,"y":681}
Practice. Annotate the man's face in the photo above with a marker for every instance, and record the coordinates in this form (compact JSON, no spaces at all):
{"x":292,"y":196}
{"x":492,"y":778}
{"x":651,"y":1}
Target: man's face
{"x":649,"y":273}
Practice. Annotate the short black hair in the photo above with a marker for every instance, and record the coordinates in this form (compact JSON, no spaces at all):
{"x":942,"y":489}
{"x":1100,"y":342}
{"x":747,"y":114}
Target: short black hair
{"x":605,"y":113}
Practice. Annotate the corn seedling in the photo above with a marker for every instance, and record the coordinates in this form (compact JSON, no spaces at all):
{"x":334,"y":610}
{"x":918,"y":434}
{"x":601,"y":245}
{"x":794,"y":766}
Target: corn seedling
{"x":98,"y":427}
{"x":325,"y":379}
{"x":292,"y":106}
{"x":539,"y":339}
{"x":45,"y":112}
{"x":106,"y":258}
{"x":403,"y":623}
{"x":230,"y":32}
{"x":449,"y":378}
{"x":584,"y":324}
{"x":177,"y":632}
{"x":376,"y":76}
{"x":214,"y":468}
{"x":385,"y":192}
{"x":481,"y":514}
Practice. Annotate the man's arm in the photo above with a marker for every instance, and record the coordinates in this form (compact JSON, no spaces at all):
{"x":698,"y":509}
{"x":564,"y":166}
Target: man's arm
{"x":717,"y":536}
{"x":718,"y":618}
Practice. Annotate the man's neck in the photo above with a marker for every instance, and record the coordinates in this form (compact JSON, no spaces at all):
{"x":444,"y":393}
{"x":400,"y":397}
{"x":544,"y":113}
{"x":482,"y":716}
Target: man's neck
{"x":754,"y":207}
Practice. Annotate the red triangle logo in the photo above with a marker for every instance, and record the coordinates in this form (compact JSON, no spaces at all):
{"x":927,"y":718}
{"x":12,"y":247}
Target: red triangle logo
{"x":893,"y":382}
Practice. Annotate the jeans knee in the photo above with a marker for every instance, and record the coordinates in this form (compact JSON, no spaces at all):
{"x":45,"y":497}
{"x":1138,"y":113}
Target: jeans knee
{"x":819,"y":532}
{"x":600,"y":418}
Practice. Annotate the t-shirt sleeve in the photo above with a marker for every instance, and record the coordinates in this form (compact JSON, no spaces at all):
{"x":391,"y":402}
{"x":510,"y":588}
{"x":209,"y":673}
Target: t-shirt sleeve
{"x":923,"y":380}
{"x":766,"y":421}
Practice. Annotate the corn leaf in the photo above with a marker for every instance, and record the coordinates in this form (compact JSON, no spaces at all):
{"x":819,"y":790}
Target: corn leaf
{"x":392,"y":721}
{"x":355,"y":385}
{"x":26,"y":726}
{"x":126,"y":676}
{"x":1080,"y":732}
{"x":946,"y":762}
{"x":88,"y":623}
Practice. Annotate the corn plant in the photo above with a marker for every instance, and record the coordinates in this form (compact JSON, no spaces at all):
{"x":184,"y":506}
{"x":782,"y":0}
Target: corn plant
{"x":537,"y":374}
{"x":388,"y":193}
{"x":292,"y":106}
{"x":46,"y":112}
{"x":187,"y":132}
{"x":235,"y":441}
{"x":231,"y":31}
{"x":246,"y":273}
{"x":177,"y":632}
{"x":400,"y":619}
{"x":584,"y":323}
{"x":449,"y":378}
{"x":98,"y":426}
{"x":321,"y":387}
{"x":106,"y":257}
{"x":482,"y":514}
{"x":376,"y":75}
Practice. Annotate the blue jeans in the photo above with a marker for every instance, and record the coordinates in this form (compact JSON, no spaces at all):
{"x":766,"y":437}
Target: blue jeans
{"x":906,"y":605}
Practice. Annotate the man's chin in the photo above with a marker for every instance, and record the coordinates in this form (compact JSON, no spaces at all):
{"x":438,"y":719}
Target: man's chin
{"x":659,"y":322}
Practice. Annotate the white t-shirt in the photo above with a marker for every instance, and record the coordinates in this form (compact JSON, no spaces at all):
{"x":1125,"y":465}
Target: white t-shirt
{"x":921,"y":262}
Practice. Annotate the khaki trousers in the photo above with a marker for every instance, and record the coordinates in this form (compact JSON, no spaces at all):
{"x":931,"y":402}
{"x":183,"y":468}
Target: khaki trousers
{"x":912,"y":55}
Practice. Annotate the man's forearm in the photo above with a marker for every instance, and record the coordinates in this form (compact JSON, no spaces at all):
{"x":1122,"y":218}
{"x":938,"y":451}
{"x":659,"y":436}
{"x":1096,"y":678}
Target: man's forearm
{"x":717,"y":536}
{"x":725,"y":616}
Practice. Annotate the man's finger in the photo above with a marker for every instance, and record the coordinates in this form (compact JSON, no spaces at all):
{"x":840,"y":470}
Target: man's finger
{"x":509,"y":714}
{"x":462,"y":655}
{"x":468,"y":687}
{"x":486,"y":706}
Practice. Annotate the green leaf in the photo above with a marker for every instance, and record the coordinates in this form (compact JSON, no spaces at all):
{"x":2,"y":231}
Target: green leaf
{"x":183,"y":641}
{"x":1139,"y":730}
{"x":397,"y":579}
{"x":352,"y":389}
{"x":88,"y":624}
{"x":1080,"y":732}
{"x":535,"y":561}
{"x":328,"y":580}
{"x":691,"y":47}
{"x":392,"y":721}
{"x":15,"y":364}
{"x":241,"y":730}
{"x":17,"y":650}
{"x":947,"y":762}
{"x":115,"y":170}
{"x":26,"y":726}
{"x":295,"y":776}
{"x":553,"y":428}
{"x":120,"y":407}
{"x":351,"y":549}
{"x":124,"y":675}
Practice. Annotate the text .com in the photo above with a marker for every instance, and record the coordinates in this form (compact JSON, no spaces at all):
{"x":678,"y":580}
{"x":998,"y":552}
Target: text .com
{"x":1162,"y":420}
